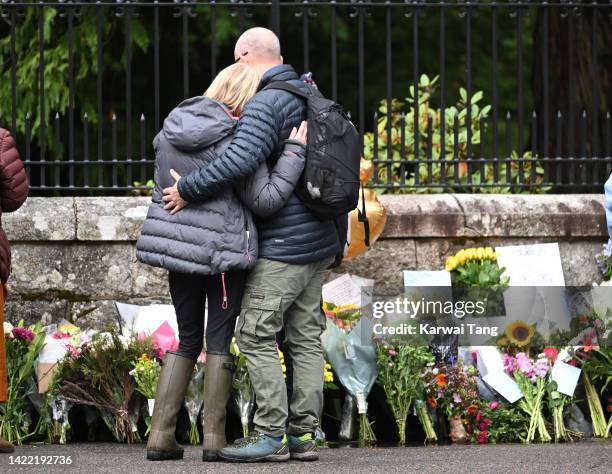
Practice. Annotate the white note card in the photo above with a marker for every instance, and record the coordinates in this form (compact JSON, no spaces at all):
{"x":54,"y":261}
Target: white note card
{"x":566,"y":376}
{"x":503,"y":384}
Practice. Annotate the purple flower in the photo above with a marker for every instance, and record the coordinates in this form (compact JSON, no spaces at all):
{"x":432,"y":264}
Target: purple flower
{"x":524,"y":364}
{"x":456,"y":398}
{"x":510,"y":364}
{"x":541,"y":367}
{"x":23,"y":333}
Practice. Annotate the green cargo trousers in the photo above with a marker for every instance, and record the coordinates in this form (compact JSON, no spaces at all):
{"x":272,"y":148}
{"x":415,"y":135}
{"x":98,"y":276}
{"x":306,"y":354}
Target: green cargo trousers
{"x":285,"y":295}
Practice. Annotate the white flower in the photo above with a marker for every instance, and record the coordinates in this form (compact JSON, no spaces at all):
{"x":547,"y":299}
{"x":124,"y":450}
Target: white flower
{"x":435,"y":371}
{"x":8,"y":327}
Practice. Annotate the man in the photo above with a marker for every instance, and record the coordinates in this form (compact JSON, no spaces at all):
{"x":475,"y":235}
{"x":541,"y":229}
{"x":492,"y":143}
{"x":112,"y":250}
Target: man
{"x":284,"y":288}
{"x":13,"y":192}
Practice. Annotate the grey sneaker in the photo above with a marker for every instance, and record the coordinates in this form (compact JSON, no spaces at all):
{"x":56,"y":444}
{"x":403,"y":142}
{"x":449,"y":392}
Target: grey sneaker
{"x":303,"y":448}
{"x":257,"y":448}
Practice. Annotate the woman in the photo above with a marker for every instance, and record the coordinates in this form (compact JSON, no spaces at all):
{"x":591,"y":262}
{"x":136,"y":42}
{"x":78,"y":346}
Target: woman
{"x":208,"y":249}
{"x":13,"y":192}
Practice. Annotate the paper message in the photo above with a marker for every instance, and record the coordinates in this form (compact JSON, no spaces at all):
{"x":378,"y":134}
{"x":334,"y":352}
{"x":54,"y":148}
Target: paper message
{"x":346,"y":289}
{"x":503,"y":384}
{"x":566,"y":376}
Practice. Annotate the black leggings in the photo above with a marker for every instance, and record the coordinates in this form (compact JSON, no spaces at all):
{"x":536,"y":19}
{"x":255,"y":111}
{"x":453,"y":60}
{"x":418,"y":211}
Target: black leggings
{"x":189,"y":293}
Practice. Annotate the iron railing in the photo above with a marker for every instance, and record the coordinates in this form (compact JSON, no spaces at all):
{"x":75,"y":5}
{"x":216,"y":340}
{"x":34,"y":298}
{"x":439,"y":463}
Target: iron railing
{"x":545,"y":68}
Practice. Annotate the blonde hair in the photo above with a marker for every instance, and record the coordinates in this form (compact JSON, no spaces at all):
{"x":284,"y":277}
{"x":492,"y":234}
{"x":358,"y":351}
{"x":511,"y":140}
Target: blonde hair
{"x":234,"y":86}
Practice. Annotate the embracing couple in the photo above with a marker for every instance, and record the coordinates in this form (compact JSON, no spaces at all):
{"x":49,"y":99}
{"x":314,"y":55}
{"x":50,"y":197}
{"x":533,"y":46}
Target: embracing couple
{"x":226,"y":222}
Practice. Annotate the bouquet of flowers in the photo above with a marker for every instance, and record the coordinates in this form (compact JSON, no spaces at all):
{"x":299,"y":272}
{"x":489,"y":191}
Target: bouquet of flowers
{"x":531,"y":377}
{"x":194,"y":398}
{"x":495,"y":422}
{"x":99,"y":376}
{"x":22,"y":347}
{"x":604,"y":261}
{"x":476,"y":276}
{"x":352,"y":353}
{"x":146,"y":372}
{"x":399,"y":373}
{"x":454,"y":389}
{"x":344,"y":316}
{"x":596,"y":368}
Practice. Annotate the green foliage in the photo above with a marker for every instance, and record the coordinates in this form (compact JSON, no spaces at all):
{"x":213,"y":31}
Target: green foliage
{"x":146,"y":189}
{"x":480,"y":273}
{"x":56,"y":92}
{"x":504,"y":423}
{"x":481,"y":175}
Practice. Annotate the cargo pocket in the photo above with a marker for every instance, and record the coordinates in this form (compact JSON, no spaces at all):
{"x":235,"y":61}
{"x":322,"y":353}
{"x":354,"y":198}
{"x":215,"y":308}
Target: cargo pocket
{"x":261,"y":314}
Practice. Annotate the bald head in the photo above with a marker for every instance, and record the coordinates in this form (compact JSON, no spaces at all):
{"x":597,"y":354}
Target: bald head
{"x":258,"y":47}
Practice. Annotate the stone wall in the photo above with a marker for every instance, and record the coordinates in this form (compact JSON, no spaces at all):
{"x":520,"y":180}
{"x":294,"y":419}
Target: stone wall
{"x":73,"y":257}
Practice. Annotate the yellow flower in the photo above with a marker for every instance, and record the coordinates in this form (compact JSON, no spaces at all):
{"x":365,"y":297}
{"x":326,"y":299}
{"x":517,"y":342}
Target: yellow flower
{"x":519,"y":333}
{"x":451,"y":264}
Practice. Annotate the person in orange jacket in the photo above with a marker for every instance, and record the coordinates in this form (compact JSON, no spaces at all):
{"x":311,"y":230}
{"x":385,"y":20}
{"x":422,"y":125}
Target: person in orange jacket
{"x":13,"y":193}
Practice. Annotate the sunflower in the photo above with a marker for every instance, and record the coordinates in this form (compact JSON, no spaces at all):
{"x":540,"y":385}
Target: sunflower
{"x":519,"y":333}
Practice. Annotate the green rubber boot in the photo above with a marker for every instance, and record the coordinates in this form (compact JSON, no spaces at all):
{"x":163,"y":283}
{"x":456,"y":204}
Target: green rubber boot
{"x":217,"y":387}
{"x":171,"y":387}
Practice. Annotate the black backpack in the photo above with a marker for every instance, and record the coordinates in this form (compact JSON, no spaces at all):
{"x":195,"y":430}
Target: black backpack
{"x":329,"y":185}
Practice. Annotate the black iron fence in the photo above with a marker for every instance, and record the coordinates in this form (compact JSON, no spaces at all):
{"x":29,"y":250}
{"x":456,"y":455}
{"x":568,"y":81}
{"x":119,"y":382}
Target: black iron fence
{"x":465,"y":96}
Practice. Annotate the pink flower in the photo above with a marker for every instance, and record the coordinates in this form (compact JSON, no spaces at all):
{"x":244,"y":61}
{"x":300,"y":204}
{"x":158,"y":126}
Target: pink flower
{"x":493,"y":405}
{"x":74,"y":352}
{"x":524,"y":364}
{"x":597,"y":323}
{"x":483,"y":426}
{"x":61,"y":335}
{"x":22,"y":333}
{"x":551,"y":353}
{"x":482,"y":437}
{"x":478,"y":416}
{"x":392,"y":352}
{"x":487,"y":422}
{"x":510,"y":364}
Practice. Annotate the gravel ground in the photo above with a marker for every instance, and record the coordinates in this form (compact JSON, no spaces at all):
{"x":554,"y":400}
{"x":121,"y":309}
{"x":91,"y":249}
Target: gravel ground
{"x":583,"y":457}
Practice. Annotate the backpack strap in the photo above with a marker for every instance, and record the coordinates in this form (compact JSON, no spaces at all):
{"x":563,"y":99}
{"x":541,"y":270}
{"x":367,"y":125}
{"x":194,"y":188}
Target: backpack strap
{"x":285,"y":86}
{"x":363,"y":217}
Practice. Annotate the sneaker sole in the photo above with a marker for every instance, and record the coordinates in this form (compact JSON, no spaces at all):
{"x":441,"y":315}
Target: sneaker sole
{"x":268,"y":458}
{"x":159,"y":455}
{"x":306,"y":457}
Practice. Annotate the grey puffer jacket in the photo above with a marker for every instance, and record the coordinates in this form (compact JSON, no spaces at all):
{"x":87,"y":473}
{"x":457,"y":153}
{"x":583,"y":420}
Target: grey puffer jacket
{"x":293,"y":234}
{"x":217,"y":235}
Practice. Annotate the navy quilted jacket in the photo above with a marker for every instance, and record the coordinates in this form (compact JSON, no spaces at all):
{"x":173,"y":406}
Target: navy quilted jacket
{"x":293,"y":234}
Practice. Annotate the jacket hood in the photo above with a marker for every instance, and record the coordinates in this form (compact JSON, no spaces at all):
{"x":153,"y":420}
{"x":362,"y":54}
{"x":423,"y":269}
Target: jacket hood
{"x":197,"y":123}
